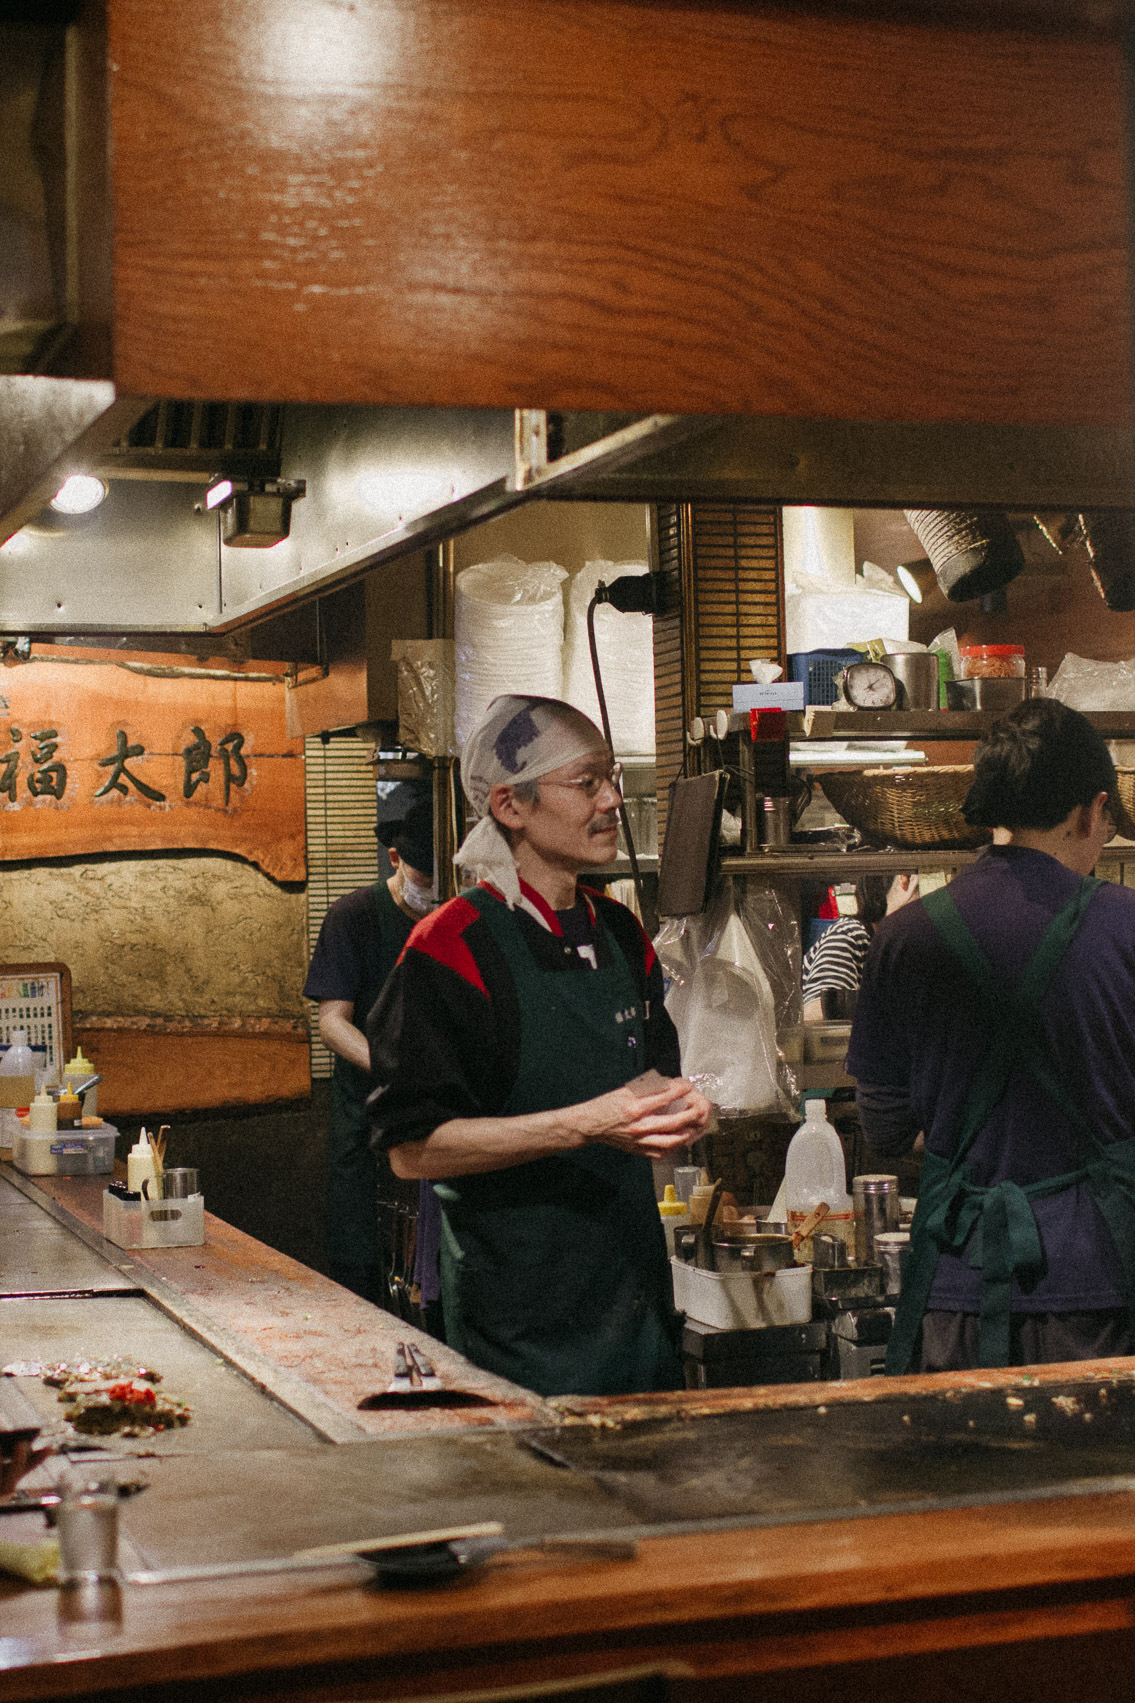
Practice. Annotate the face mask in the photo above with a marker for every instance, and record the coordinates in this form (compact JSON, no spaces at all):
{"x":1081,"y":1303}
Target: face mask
{"x":420,"y":900}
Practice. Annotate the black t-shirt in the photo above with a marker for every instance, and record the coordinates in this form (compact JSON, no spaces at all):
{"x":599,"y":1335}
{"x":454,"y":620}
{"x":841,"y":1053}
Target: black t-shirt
{"x":358,"y":946}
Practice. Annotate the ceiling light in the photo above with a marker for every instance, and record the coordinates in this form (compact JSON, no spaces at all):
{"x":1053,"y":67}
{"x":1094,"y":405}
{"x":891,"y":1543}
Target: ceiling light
{"x":260,"y":517}
{"x":217,"y":493}
{"x":909,"y":584}
{"x":79,"y":494}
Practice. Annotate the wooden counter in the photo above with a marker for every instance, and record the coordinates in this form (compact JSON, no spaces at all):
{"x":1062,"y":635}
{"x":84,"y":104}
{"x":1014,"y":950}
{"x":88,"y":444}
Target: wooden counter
{"x":1029,"y":1598}
{"x":316,"y":1347}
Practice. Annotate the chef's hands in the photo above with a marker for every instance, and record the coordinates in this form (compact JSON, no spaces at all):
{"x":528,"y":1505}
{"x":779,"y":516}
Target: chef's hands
{"x":653,"y":1124}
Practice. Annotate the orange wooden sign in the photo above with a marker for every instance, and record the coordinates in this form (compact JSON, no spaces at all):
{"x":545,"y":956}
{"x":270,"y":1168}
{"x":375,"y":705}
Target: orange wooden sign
{"x":125,"y":755}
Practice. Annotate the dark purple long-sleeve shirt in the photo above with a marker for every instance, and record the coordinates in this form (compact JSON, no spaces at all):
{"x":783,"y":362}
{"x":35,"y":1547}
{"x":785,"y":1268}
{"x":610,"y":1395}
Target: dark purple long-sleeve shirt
{"x":919,"y":1033}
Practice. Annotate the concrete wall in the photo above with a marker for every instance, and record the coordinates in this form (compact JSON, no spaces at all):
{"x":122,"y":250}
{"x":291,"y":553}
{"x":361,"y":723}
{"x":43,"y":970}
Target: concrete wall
{"x":167,"y":936}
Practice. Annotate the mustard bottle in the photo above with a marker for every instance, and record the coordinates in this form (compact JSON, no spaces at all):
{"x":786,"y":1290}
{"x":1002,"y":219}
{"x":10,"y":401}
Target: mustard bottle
{"x":77,"y":1070}
{"x":69,"y":1113}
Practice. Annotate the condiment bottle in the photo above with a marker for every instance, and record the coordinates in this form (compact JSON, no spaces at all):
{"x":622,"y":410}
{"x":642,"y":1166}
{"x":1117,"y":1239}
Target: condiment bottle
{"x":79,"y":1069}
{"x":139,"y":1163}
{"x":675,"y":1214}
{"x":815,"y":1171}
{"x":42,"y":1114}
{"x":17,"y":1061}
{"x":69,"y":1113}
{"x":700,"y":1196}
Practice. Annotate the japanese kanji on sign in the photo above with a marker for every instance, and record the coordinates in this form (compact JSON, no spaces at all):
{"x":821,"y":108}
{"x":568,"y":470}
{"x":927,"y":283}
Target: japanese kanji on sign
{"x":110,"y":755}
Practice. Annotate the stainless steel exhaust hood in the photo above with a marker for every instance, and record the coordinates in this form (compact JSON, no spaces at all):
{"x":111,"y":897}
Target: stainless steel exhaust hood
{"x":383,"y":482}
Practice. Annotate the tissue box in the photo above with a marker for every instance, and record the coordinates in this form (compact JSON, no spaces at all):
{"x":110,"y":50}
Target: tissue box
{"x":153,"y":1223}
{"x":780,"y":695}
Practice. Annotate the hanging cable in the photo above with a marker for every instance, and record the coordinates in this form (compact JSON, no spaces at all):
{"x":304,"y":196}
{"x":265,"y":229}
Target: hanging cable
{"x":632,"y":593}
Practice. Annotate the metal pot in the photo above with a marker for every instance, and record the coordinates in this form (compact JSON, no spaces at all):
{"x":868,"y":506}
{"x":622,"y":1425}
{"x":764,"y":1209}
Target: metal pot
{"x":759,"y":1253}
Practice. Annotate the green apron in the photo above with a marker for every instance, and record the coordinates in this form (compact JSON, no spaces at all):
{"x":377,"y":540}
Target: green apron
{"x":951,"y":1205}
{"x":353,"y":1237}
{"x":554,"y":1272}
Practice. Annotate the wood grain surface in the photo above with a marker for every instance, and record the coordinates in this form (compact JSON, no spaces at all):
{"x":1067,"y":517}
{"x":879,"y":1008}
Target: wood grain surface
{"x":1027,"y":1603}
{"x":706,"y":208}
{"x":100,"y":756}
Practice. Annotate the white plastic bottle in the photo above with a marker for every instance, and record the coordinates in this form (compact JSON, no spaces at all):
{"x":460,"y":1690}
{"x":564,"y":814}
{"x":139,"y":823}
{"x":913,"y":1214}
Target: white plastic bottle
{"x":139,"y":1163}
{"x":815,"y":1171}
{"x":17,"y":1061}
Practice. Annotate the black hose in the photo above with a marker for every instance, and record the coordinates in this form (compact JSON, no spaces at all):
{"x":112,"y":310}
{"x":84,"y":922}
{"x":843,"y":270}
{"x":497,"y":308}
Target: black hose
{"x":636,"y":876}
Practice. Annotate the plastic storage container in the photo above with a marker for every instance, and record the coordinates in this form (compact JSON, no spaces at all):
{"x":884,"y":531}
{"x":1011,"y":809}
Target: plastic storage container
{"x":815,"y":1171}
{"x":993,"y":662}
{"x":740,"y":1300}
{"x":819,"y":670}
{"x":64,"y":1152}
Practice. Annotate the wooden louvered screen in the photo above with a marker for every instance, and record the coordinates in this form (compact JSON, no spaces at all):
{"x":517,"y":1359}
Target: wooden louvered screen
{"x":342,"y":852}
{"x":723,"y":604}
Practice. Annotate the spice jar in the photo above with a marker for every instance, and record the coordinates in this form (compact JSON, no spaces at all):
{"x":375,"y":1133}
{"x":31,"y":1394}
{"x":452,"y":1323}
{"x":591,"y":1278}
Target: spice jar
{"x":993,"y":662}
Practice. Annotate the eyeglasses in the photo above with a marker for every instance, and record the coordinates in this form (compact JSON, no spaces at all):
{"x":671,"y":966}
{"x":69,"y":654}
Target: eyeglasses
{"x":591,"y":785}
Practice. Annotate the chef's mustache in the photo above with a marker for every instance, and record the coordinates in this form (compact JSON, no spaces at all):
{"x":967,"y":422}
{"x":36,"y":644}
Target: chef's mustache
{"x":604,"y":824}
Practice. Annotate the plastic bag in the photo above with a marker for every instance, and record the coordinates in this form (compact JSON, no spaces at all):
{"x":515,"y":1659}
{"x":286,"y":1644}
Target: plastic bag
{"x":723,"y":1000}
{"x":509,"y":627}
{"x":425,"y":695}
{"x":1083,"y":684}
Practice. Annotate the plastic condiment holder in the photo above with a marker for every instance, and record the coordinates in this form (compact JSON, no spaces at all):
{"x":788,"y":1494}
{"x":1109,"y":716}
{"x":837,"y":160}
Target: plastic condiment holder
{"x":154,"y":1223}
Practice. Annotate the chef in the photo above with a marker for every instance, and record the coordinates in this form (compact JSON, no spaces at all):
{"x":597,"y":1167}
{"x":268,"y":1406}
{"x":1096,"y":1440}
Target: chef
{"x":506,"y":1046}
{"x":997,"y":1015}
{"x":358,"y":946}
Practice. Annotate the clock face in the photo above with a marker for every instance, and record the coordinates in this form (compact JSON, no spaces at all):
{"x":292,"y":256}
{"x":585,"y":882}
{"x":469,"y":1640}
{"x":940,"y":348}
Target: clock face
{"x":870,"y":686}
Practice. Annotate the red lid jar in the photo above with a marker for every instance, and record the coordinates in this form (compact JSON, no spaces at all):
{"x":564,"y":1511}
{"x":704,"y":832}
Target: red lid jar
{"x":993,"y":662}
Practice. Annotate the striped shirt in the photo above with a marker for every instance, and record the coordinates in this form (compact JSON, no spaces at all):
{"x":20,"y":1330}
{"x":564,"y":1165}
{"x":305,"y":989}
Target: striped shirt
{"x":837,"y":958}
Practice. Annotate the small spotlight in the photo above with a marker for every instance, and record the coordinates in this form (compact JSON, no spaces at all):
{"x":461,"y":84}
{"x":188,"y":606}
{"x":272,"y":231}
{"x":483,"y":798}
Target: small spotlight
{"x":260,"y":517}
{"x":909,"y":584}
{"x":79,"y":494}
{"x":217,"y":493}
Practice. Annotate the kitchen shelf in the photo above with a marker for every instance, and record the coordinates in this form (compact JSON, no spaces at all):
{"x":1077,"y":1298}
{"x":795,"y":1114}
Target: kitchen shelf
{"x":819,"y":722}
{"x":828,"y":862}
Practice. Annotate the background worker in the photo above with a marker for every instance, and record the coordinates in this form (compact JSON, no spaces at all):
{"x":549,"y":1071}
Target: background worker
{"x":358,"y":946}
{"x":506,"y":1046}
{"x":835,"y":963}
{"x":998,"y":1015}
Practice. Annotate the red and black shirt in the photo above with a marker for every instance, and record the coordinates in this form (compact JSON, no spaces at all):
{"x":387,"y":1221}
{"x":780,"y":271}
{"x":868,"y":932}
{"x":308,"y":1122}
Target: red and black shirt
{"x":445,"y":1033}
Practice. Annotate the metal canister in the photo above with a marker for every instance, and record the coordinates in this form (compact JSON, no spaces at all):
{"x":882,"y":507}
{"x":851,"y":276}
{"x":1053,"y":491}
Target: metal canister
{"x":892,"y":1248}
{"x":875,"y":1199}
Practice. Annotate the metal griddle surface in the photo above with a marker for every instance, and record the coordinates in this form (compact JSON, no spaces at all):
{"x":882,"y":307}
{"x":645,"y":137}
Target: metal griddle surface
{"x":882,"y":1455}
{"x":228,"y":1411}
{"x":272,"y":1502}
{"x":37,"y":1254}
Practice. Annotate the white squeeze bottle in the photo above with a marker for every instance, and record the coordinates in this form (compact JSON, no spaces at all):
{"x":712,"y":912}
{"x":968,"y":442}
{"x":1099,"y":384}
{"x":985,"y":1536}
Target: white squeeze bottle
{"x":814,"y":1170}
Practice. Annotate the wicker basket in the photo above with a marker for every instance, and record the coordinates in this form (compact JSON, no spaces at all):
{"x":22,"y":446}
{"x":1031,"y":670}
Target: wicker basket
{"x":907,"y":808}
{"x":1124,"y":811}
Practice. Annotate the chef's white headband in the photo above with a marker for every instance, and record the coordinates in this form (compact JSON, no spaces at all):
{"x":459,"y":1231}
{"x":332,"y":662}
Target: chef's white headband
{"x":518,"y":739}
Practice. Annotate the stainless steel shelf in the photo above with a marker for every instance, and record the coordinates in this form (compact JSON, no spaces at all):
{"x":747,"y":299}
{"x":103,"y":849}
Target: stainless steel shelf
{"x":825,"y":863}
{"x":822,"y":723}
